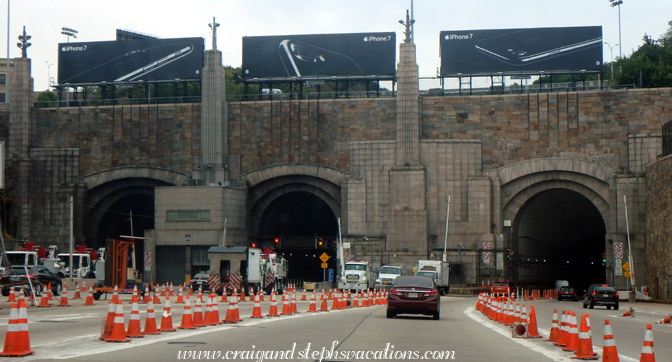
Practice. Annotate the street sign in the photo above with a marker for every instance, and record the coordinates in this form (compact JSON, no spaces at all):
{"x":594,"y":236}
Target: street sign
{"x":618,"y":245}
{"x":618,"y":267}
{"x":324,"y":257}
{"x":324,"y":265}
{"x":148,"y":260}
{"x":618,"y":254}
{"x":486,"y":257}
{"x":486,"y":246}
{"x":626,"y":266}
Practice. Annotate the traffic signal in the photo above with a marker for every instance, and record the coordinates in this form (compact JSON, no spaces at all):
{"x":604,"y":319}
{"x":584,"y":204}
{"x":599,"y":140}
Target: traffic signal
{"x":320,"y":243}
{"x":276,"y":241}
{"x":507,"y":253}
{"x":604,"y":257}
{"x":254,"y":245}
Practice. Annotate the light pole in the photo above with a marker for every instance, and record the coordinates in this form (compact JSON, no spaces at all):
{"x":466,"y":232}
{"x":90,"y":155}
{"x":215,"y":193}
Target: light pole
{"x":620,"y":50}
{"x":48,"y":73}
{"x":611,"y":51}
{"x":69,"y":32}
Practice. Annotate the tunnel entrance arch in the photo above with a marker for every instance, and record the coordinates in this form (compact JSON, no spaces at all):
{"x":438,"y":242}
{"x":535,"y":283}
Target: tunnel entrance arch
{"x":558,"y":234}
{"x":294,"y":210}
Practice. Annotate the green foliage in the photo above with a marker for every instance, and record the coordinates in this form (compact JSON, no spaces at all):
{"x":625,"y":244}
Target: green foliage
{"x":46,"y":99}
{"x":650,"y":66}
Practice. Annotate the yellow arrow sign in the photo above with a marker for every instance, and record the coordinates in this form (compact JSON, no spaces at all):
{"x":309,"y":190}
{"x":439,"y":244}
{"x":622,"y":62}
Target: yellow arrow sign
{"x":324,"y":257}
{"x":626,"y":266}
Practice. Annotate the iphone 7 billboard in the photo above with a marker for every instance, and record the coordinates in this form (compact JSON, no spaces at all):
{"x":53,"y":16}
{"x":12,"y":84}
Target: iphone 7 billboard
{"x":521,"y":50}
{"x":130,"y":60}
{"x":319,"y":55}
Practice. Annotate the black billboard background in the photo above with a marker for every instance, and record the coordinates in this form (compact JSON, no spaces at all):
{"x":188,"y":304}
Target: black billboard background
{"x":319,"y":55}
{"x":521,"y":50}
{"x":130,"y":60}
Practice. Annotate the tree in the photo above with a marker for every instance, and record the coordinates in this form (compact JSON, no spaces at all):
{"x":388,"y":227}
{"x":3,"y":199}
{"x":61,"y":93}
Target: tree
{"x":46,"y":99}
{"x":650,"y":66}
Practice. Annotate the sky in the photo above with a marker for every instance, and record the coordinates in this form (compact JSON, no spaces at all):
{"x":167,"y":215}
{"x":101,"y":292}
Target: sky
{"x":97,"y":20}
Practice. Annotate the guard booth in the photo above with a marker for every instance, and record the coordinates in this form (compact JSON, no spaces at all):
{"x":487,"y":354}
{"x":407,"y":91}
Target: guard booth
{"x":238,"y":266}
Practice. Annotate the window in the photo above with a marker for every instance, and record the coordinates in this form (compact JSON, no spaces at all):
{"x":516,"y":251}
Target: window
{"x":188,"y":215}
{"x":3,"y":79}
{"x":2,"y":97}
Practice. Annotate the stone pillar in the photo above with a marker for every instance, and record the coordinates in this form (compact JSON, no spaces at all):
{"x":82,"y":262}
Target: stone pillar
{"x":408,"y":98}
{"x":214,"y":126}
{"x":20,"y":104}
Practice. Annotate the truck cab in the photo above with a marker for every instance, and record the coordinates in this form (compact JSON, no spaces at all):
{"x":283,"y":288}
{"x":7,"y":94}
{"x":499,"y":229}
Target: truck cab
{"x":440,"y":270}
{"x":386,"y":276}
{"x":81,"y":265}
{"x":19,"y":258}
{"x":357,"y":276}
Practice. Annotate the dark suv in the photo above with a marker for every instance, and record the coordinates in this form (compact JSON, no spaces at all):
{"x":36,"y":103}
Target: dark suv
{"x":601,"y":294}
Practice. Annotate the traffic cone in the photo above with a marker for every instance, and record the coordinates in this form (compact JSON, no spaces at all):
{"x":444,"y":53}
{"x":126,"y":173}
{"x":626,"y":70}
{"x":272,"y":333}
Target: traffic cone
{"x":118,"y":333}
{"x":647,"y":349}
{"x":167,"y":318}
{"x":146,"y":298}
{"x":312,"y":308}
{"x":50,"y":296}
{"x":303,"y":295}
{"x":629,"y":313}
{"x":156,"y":300}
{"x":187,"y":320}
{"x":89,"y":297}
{"x":324,"y":307}
{"x":150,"y":320}
{"x":609,"y":352}
{"x":44,"y":301}
{"x":665,"y":320}
{"x":134,"y":298}
{"x":17,"y":339}
{"x":64,"y":297}
{"x":251,"y":295}
{"x":335,"y":304}
{"x":109,"y":321}
{"x":133,"y":330}
{"x":562,"y":331}
{"x":256,"y":311}
{"x":523,"y":314}
{"x":115,"y":295}
{"x":180,"y":297}
{"x":532,"y":330}
{"x":273,"y":308}
{"x":215,"y":307}
{"x":224,"y":296}
{"x":285,"y":305}
{"x":171,"y":290}
{"x":232,"y":313}
{"x":242,"y":294}
{"x":553,"y":335}
{"x":585,"y":345}
{"x":292,"y":304}
{"x":12,"y":295}
{"x":207,"y":317}
{"x":77,"y":294}
{"x":573,"y":335}
{"x":198,"y":314}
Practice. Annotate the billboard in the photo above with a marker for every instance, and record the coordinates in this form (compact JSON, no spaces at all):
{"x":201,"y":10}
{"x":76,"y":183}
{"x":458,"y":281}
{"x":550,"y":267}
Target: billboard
{"x":521,"y":50}
{"x":319,"y":55}
{"x":130,"y":60}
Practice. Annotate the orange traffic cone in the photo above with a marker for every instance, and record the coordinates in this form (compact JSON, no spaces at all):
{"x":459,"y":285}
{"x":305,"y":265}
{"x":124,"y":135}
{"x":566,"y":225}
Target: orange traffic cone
{"x":585,"y":345}
{"x":532,"y":330}
{"x":562,"y":331}
{"x":224,"y":297}
{"x":115,"y":295}
{"x":285,"y":306}
{"x":187,"y":320}
{"x":44,"y":301}
{"x":324,"y":307}
{"x":256,"y":311}
{"x":198,"y":314}
{"x":609,"y":352}
{"x":64,"y":297}
{"x":292,"y":304}
{"x":133,"y":330}
{"x":629,"y":313}
{"x":146,"y":298}
{"x":647,"y":349}
{"x":242,"y":294}
{"x":335,"y":303}
{"x":118,"y":333}
{"x":208,"y":319}
{"x":167,"y":318}
{"x":156,"y":300}
{"x":50,"y":296}
{"x":12,"y":295}
{"x":89,"y":297}
{"x":573,"y":335}
{"x":17,"y":339}
{"x":180,"y":297}
{"x":77,"y":294}
{"x":215,"y":307}
{"x":312,"y":308}
{"x":150,"y":320}
{"x":135,"y":298}
{"x":303,"y":295}
{"x":665,"y":320}
{"x":553,"y":335}
{"x":109,"y":321}
{"x":251,"y":295}
{"x":232,"y":313}
{"x":273,"y":308}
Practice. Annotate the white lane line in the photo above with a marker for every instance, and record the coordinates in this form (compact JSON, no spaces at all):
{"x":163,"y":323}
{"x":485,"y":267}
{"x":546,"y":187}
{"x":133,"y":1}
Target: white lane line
{"x":553,"y":354}
{"x":82,"y":344}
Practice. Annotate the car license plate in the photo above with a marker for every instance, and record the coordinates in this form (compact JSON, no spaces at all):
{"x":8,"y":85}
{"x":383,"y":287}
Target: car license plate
{"x":412,"y":295}
{"x":606,"y":295}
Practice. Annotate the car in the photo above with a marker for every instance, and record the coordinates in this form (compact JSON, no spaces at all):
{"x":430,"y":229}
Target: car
{"x":601,"y":294}
{"x":200,"y":280}
{"x":412,"y":294}
{"x":567,"y":293}
{"x":40,"y":278}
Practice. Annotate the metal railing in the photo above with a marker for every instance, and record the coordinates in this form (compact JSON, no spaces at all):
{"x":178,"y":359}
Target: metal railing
{"x":667,"y":138}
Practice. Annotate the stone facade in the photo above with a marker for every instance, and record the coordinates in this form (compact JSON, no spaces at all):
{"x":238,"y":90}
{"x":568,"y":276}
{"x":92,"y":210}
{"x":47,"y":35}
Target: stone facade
{"x":658,"y":230}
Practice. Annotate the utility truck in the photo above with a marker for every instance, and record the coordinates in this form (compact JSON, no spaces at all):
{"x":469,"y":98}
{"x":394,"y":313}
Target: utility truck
{"x":386,"y":276}
{"x":239,"y":267}
{"x":357,"y":275}
{"x":441,"y":270}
